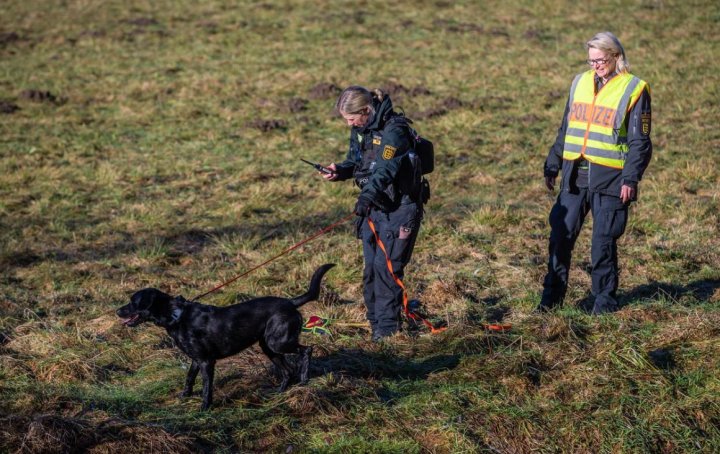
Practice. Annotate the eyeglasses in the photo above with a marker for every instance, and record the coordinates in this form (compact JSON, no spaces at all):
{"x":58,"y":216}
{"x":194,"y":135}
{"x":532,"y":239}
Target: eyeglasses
{"x":598,"y":61}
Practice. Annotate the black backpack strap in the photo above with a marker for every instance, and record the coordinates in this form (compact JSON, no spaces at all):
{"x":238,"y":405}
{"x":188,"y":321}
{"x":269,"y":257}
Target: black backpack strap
{"x":401,"y":120}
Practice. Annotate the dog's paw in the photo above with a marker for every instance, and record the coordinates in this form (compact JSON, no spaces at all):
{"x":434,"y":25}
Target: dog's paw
{"x":184,"y":394}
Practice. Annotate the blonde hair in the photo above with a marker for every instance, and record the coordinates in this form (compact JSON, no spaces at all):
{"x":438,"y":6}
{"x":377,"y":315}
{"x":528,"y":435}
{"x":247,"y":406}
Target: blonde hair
{"x":610,"y":44}
{"x":356,"y":99}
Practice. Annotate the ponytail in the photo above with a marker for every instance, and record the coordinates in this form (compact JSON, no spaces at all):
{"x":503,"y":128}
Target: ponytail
{"x":356,"y":99}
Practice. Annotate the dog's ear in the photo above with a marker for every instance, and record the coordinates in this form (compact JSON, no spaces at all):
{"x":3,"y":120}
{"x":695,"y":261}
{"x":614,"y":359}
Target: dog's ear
{"x":165,"y":311}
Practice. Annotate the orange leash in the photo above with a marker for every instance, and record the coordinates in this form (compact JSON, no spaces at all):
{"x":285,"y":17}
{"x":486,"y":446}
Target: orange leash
{"x":408,"y":314}
{"x":326,"y":229}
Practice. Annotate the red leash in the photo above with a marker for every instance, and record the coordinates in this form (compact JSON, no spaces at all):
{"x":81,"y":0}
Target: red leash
{"x":408,"y":314}
{"x":325,"y":230}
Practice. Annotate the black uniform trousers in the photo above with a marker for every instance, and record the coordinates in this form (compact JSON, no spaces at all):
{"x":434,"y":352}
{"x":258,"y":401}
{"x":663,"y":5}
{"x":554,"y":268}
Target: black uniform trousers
{"x":566,"y":219}
{"x":398,"y":231}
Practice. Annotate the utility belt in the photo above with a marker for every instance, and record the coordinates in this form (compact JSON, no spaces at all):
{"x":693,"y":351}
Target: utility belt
{"x":416,"y":192}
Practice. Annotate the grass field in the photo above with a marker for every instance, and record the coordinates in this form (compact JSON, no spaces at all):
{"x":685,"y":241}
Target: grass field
{"x":156,"y":143}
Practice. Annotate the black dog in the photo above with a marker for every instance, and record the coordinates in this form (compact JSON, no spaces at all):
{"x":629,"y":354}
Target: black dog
{"x":208,"y":333}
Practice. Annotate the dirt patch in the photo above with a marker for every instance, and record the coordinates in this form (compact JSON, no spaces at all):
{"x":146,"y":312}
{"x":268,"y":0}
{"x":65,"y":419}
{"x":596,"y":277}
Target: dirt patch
{"x":269,"y":6}
{"x":8,"y":107}
{"x":142,"y":21}
{"x":143,"y":25}
{"x":443,"y":108}
{"x":457,"y":27}
{"x":452,"y":161}
{"x":467,"y":27}
{"x":538,"y":34}
{"x":452,"y":103}
{"x":394,"y":89}
{"x":499,"y":32}
{"x":93,"y":34}
{"x":211,"y":27}
{"x":268,"y":125}
{"x":296,"y":105}
{"x":20,"y":259}
{"x":431,"y":113}
{"x":8,"y":38}
{"x":40,"y":96}
{"x":419,"y":91}
{"x":324,"y":90}
{"x":492,"y":103}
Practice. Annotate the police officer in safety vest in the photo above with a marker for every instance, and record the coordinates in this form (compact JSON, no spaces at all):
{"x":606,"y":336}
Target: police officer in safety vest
{"x":603,"y":148}
{"x":383,"y":165}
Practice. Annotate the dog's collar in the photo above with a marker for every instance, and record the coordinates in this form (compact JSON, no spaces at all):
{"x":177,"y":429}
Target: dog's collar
{"x":175,"y":315}
{"x":177,"y":310}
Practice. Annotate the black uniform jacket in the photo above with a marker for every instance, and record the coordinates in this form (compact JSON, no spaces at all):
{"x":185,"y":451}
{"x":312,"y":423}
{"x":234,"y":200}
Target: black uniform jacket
{"x":376,"y":155}
{"x":608,"y":180}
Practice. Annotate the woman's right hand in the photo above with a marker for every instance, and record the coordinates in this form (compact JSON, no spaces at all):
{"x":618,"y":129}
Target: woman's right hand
{"x":330,"y":176}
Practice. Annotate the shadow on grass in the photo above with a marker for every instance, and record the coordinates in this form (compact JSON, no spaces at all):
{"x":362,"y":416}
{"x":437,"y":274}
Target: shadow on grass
{"x":487,"y":309}
{"x":369,"y":364}
{"x":701,"y":291}
{"x":696,"y":292}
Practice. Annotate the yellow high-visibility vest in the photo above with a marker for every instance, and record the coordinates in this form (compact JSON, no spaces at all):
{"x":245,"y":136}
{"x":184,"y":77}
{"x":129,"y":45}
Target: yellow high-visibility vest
{"x":596,"y":122}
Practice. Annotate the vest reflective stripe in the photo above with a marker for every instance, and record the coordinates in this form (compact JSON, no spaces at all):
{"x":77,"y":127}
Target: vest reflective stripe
{"x":596,"y":136}
{"x":625,"y":101}
{"x":596,"y":122}
{"x":591,"y":151}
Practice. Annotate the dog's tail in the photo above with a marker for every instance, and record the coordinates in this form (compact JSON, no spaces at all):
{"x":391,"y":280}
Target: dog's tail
{"x":314,"y":291}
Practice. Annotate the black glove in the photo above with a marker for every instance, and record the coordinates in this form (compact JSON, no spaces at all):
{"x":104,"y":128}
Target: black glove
{"x":362,"y":206}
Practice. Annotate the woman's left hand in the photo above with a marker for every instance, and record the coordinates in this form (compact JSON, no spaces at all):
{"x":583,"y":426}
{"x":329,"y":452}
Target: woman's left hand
{"x":627,"y":193}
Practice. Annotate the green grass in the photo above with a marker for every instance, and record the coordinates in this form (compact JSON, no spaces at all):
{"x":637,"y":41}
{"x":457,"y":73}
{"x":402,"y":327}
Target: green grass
{"x":154,"y":163}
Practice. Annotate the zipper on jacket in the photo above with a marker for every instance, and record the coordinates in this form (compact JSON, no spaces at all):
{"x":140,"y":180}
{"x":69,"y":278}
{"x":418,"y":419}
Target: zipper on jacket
{"x":590,"y":117}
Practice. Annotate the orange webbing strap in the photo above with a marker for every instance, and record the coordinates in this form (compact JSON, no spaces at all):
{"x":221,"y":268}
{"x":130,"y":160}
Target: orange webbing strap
{"x":397,"y":280}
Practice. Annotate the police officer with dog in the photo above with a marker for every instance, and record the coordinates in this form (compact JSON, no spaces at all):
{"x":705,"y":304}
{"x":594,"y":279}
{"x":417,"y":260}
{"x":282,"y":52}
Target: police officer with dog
{"x":603,"y":147}
{"x":383,"y":163}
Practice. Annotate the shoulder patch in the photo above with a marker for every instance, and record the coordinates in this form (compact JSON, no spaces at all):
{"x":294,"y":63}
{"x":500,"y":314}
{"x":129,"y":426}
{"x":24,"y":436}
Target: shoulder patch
{"x":645,"y":119}
{"x":388,"y":152}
